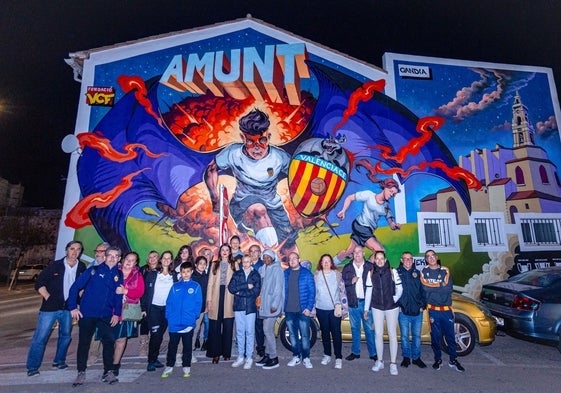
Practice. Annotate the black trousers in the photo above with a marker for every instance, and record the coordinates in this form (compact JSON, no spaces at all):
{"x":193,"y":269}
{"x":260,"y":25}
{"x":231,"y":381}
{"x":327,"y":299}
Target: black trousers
{"x":187,"y":340}
{"x":158,"y":324}
{"x":259,"y":336}
{"x":220,"y":332}
{"x":87,"y":329}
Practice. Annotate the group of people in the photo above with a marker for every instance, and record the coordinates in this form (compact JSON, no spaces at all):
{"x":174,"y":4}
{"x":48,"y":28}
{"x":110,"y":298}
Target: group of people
{"x":248,"y":291}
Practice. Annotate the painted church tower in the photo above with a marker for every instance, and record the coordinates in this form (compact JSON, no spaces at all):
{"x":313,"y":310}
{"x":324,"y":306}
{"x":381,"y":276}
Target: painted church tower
{"x":522,"y":129}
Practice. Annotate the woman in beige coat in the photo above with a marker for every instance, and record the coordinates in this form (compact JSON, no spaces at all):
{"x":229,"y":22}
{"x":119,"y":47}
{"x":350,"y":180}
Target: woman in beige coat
{"x":220,"y":306}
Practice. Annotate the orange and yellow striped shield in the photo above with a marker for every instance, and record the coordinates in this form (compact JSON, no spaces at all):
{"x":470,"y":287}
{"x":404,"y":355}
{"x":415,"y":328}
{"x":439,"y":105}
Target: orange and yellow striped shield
{"x":315,"y":184}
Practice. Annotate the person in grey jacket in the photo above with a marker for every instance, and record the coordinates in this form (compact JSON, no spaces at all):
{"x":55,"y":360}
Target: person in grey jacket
{"x":271,"y":305}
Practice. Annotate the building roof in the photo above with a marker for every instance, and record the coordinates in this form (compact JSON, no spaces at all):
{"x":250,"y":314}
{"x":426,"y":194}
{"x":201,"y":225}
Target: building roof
{"x":532,"y":194}
{"x":500,"y":182}
{"x":76,"y":59}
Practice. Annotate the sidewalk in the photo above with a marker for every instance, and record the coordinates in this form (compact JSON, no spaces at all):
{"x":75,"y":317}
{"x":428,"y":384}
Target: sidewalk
{"x":13,"y":358}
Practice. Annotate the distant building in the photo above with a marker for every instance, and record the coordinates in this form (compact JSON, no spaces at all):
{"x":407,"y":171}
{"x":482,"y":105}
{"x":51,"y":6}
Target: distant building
{"x":11,"y":195}
{"x":521,"y":195}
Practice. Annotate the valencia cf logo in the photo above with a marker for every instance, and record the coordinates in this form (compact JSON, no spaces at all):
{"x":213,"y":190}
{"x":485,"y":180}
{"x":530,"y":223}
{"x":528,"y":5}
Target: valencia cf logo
{"x":317,"y":176}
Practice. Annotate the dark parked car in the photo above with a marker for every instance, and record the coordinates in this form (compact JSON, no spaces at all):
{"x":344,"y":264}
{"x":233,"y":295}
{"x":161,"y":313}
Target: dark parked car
{"x":528,"y":305}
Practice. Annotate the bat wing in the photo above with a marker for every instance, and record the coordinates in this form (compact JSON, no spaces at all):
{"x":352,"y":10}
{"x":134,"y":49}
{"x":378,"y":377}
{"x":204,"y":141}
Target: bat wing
{"x":162,"y":176}
{"x":379,"y":124}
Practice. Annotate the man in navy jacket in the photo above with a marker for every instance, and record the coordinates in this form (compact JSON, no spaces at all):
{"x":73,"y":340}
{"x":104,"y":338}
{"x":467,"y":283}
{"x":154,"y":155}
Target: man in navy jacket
{"x":53,"y":284}
{"x":100,"y":307}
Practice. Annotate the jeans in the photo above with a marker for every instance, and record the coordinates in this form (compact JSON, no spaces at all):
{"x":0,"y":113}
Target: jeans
{"x":299,"y":329}
{"x":442,"y":323}
{"x":356,"y":316}
{"x":45,"y":324}
{"x":245,"y":333}
{"x":201,"y":327}
{"x":410,"y":326}
{"x":330,"y":326}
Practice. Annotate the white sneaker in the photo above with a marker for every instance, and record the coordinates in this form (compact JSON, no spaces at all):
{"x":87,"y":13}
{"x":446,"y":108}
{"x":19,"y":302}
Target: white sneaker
{"x":248,"y":363}
{"x":167,"y":372}
{"x":295,"y":361}
{"x":186,"y":372}
{"x":393,"y":369}
{"x":239,"y":361}
{"x":339,"y":363}
{"x":307,"y":363}
{"x":326,"y":359}
{"x":379,"y":365}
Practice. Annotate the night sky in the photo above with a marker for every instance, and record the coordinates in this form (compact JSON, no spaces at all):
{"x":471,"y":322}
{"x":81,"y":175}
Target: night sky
{"x":39,"y":98}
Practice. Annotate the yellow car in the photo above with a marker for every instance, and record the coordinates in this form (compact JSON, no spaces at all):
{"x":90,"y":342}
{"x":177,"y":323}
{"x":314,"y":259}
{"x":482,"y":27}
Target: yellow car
{"x":474,"y":325}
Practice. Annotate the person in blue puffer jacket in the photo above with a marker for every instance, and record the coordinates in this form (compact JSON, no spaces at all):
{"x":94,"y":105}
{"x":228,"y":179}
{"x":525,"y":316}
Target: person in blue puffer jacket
{"x":183,"y":307}
{"x":300,"y":297}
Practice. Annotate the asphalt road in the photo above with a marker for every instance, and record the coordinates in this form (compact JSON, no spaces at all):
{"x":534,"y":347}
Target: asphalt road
{"x":508,"y":365}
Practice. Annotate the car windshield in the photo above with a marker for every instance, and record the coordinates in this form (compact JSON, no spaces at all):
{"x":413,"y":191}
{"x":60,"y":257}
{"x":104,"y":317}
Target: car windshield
{"x":537,"y":278}
{"x":27,"y":267}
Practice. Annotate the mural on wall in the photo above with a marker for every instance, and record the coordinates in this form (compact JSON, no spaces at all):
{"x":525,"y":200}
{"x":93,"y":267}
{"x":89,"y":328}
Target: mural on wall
{"x":289,"y":133}
{"x":313,"y":153}
{"x":501,"y":125}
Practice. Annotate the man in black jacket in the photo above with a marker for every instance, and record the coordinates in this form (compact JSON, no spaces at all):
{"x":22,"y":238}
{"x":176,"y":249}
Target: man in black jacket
{"x":53,"y":284}
{"x":411,"y":305}
{"x":354,"y":276}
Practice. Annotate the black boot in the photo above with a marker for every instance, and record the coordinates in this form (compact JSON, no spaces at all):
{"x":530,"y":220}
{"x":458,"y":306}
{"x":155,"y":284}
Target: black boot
{"x":116,"y":368}
{"x":197,"y":343}
{"x":203,"y":347}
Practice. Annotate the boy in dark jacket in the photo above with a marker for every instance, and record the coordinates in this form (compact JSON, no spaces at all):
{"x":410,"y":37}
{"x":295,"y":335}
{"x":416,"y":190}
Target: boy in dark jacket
{"x":183,"y":307}
{"x":200,"y":276}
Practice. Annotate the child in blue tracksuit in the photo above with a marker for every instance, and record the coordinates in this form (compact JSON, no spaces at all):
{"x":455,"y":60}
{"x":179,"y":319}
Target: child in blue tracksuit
{"x":183,"y":307}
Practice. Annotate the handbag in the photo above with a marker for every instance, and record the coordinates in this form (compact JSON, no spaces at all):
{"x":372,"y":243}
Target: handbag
{"x":131,"y":312}
{"x":337,"y":310}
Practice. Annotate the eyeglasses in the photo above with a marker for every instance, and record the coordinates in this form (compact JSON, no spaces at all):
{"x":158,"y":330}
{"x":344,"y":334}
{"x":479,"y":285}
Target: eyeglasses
{"x":430,"y":256}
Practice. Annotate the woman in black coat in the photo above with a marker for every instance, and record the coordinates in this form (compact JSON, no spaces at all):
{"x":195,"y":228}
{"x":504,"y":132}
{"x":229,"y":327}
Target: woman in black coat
{"x":246,"y":286}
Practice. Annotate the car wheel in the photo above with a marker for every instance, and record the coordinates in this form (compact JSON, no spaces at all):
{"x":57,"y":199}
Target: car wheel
{"x":466,"y":336}
{"x":285,"y":335}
